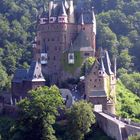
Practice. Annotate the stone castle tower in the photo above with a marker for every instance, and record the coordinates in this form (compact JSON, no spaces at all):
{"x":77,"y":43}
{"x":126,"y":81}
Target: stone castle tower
{"x":66,"y":36}
{"x":100,"y":83}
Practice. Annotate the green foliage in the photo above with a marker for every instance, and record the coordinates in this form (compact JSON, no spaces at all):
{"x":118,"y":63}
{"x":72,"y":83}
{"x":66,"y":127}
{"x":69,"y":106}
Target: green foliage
{"x":137,"y":137}
{"x":80,"y":118}
{"x":132,"y":82}
{"x":127,"y":103}
{"x":6,"y":125}
{"x":87,"y":65}
{"x":3,"y":78}
{"x":38,"y":114}
{"x":72,"y":67}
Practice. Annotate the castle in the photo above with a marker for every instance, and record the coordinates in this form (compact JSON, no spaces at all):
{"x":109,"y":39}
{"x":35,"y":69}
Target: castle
{"x":65,"y":38}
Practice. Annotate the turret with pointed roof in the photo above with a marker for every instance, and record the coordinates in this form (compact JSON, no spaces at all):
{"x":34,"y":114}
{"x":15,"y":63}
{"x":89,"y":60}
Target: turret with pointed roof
{"x":26,"y":80}
{"x":100,"y":82}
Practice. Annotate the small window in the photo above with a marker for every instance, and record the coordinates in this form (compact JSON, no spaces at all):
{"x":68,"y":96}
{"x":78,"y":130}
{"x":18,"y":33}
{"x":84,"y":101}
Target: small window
{"x":86,"y":54}
{"x":90,"y":79}
{"x":71,"y":58}
{"x":54,"y":58}
{"x":95,"y":80}
{"x":95,"y":86}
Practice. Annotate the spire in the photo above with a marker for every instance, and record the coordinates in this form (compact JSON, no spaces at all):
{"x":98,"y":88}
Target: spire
{"x":44,"y":8}
{"x":82,"y":17}
{"x":115,"y":65}
{"x":93,"y":21}
{"x":101,"y":66}
{"x":50,"y":7}
{"x":62,"y":10}
{"x":71,"y":12}
{"x":35,"y":72}
{"x":66,"y":4}
{"x":108,"y":63}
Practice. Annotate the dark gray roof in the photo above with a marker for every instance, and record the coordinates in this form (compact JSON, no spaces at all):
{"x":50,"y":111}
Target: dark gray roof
{"x":62,"y":11}
{"x":55,"y":11}
{"x":98,"y":93}
{"x":101,"y":65}
{"x":19,"y":75}
{"x":44,"y":15}
{"x":107,"y":63}
{"x":81,"y":41}
{"x":35,"y":73}
{"x":87,"y":18}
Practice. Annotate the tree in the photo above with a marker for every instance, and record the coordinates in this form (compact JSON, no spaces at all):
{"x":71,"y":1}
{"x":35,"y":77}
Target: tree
{"x":87,"y":65}
{"x":137,"y":137}
{"x":80,"y":118}
{"x":3,"y":78}
{"x":38,"y":114}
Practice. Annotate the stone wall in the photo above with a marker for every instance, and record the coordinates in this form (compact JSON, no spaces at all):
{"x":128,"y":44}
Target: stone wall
{"x":109,"y":127}
{"x":115,"y":127}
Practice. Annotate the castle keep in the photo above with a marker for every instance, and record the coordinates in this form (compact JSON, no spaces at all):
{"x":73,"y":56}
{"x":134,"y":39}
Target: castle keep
{"x":65,"y":37}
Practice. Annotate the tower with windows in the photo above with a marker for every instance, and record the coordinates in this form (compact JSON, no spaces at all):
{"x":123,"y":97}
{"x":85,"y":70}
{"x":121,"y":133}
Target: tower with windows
{"x":59,"y":27}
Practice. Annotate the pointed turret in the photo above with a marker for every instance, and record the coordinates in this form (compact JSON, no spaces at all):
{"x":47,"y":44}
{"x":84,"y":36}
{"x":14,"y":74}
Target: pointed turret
{"x":35,"y":73}
{"x":44,"y":16}
{"x":66,"y":4}
{"x":115,"y":66}
{"x":82,"y":19}
{"x":50,"y":7}
{"x":108,"y":63}
{"x":62,"y":18}
{"x":53,"y":15}
{"x":71,"y":12}
{"x":93,"y":21}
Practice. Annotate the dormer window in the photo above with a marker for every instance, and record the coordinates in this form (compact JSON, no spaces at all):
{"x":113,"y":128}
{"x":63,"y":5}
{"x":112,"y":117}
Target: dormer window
{"x":71,"y":58}
{"x":52,"y":19}
{"x":62,"y":19}
{"x":43,"y":20}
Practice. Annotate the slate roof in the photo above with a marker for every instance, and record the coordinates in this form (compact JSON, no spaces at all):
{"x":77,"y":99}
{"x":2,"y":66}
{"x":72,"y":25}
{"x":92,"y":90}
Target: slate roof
{"x":98,"y":93}
{"x":101,"y":65}
{"x":44,"y":15}
{"x":87,"y":18}
{"x":35,"y":73}
{"x":19,"y":75}
{"x":107,"y":63}
{"x":81,"y":41}
{"x":62,"y":11}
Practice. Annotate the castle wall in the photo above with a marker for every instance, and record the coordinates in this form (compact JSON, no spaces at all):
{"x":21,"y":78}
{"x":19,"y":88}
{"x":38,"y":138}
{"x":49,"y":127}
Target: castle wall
{"x":58,"y":38}
{"x":109,"y":127}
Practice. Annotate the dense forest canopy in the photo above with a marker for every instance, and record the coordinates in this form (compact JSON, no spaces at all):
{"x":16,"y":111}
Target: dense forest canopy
{"x":118,"y":30}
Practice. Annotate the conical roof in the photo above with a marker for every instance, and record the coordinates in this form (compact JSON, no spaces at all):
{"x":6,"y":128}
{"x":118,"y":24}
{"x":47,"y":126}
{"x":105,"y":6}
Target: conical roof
{"x":34,"y":72}
{"x":62,"y":11}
